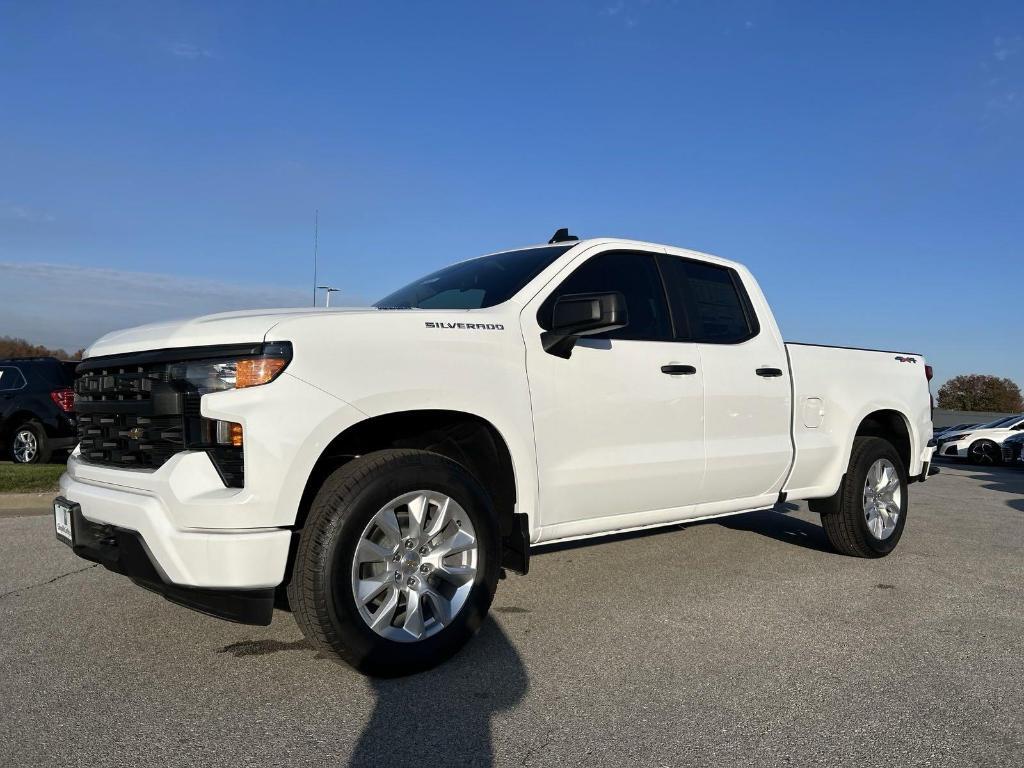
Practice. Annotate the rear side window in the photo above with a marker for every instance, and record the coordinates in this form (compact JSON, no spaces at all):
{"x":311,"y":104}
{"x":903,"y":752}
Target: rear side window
{"x":10,"y":378}
{"x":712,"y":300}
{"x":635,"y":276}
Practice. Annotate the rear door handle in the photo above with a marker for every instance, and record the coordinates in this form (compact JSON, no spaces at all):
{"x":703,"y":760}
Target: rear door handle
{"x":675,"y":369}
{"x":769,"y":373}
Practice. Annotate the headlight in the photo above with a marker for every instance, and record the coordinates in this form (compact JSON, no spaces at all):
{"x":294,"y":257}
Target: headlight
{"x":217,"y":375}
{"x":953,"y":438}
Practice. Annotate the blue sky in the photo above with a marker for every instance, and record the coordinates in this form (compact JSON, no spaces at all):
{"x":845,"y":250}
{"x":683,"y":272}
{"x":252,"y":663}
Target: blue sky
{"x":866,"y":160}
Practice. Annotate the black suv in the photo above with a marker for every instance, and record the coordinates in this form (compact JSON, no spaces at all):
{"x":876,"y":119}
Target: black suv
{"x":36,"y":404}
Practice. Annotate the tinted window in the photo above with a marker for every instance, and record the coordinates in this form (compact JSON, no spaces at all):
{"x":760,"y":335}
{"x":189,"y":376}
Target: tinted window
{"x":10,"y":378}
{"x":711,"y":299}
{"x":635,"y":276}
{"x":476,"y":283}
{"x":1005,"y":421}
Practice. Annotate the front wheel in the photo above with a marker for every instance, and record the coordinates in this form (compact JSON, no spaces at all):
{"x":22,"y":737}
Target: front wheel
{"x":871,"y":512}
{"x":984,"y":452}
{"x":397,"y":564}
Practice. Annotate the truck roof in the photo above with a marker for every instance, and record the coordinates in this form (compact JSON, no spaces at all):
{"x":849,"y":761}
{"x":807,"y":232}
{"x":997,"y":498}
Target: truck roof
{"x":630,"y":243}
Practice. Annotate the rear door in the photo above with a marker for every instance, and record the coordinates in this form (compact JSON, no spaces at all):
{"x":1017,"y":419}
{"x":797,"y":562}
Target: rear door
{"x":747,"y":387}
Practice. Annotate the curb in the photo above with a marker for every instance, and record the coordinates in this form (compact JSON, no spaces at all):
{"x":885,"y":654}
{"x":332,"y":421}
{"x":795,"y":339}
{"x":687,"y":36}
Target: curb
{"x":37,"y":500}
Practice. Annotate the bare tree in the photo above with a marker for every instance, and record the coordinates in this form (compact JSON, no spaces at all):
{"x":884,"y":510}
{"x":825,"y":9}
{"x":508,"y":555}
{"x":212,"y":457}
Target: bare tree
{"x":12,"y":347}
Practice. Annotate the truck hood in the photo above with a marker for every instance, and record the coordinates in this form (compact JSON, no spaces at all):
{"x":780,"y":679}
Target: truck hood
{"x":224,"y":328}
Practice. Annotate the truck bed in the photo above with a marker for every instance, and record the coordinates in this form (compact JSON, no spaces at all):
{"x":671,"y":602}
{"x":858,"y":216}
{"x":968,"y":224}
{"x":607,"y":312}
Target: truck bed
{"x":834,"y":390}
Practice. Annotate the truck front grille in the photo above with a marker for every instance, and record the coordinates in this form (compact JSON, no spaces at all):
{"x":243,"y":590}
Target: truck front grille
{"x":129,"y":439}
{"x":118,"y":385}
{"x":130,"y":416}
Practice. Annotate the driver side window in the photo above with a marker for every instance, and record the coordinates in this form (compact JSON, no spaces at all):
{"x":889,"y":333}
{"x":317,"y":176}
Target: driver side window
{"x":636,"y":277}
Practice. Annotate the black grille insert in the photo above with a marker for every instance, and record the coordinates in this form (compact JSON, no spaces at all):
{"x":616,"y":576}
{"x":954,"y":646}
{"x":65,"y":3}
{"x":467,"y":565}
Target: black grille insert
{"x":129,"y":416}
{"x":130,"y":440}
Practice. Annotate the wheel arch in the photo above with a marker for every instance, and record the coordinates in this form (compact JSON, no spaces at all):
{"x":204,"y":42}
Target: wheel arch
{"x":17,"y":419}
{"x":467,"y":438}
{"x":891,"y":425}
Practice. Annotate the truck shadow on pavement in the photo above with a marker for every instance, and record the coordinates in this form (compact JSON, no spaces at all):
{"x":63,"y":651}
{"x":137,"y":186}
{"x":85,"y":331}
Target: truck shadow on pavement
{"x":776,"y":524}
{"x":446,"y":711}
{"x":773,"y":523}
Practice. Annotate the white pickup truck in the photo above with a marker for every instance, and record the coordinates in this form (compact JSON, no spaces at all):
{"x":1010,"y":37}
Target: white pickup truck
{"x":381,"y":466}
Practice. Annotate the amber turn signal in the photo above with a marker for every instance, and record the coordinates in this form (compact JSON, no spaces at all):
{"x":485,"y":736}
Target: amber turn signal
{"x":229,"y":433}
{"x":252,"y":372}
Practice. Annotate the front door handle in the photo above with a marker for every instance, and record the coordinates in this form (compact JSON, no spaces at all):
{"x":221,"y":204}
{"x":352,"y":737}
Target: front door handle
{"x":769,"y":373}
{"x":675,"y":369}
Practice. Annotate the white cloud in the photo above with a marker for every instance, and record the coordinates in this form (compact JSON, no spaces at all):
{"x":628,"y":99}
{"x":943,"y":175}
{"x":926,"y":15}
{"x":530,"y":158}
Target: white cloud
{"x":184,"y":50}
{"x":15,"y":212}
{"x":70,"y":306}
{"x":1005,"y":47}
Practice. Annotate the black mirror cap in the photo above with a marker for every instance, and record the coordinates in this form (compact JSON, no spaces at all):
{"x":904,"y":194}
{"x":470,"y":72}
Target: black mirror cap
{"x":583,"y":314}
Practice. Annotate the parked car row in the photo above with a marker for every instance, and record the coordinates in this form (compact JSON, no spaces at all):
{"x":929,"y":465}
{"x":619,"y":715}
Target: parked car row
{"x":982,"y":443}
{"x":36,"y":408}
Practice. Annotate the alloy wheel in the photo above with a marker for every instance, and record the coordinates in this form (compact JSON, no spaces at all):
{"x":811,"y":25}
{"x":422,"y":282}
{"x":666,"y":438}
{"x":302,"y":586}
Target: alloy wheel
{"x":25,"y":446}
{"x":414,"y":566}
{"x":985,"y":453}
{"x":883,"y":496}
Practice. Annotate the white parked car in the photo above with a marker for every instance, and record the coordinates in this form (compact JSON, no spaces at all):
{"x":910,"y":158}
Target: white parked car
{"x":382,"y":465}
{"x":981,"y":444}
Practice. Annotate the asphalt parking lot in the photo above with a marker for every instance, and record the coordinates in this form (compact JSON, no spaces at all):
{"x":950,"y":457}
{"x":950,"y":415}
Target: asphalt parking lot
{"x":740,"y":642}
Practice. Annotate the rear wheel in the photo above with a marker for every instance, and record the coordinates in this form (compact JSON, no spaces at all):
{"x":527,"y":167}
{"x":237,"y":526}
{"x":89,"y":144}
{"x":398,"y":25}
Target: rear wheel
{"x":397,"y":564}
{"x":871,"y":509}
{"x":28,"y":444}
{"x":984,"y":452}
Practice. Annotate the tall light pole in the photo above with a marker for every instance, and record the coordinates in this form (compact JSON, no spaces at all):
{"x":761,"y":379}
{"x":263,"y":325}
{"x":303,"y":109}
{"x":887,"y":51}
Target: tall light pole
{"x":316,"y":248}
{"x":329,"y":290}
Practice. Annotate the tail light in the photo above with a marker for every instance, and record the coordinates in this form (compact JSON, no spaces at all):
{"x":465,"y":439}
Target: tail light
{"x":64,"y":398}
{"x":928,"y":373}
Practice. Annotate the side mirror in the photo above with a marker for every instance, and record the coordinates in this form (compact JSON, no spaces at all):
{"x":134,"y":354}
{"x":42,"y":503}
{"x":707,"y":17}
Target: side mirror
{"x":583,"y":314}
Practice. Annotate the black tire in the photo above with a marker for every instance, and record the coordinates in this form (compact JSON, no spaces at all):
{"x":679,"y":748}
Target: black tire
{"x":320,"y":591}
{"x":845,"y":524}
{"x":985,"y":452}
{"x":42,"y":453}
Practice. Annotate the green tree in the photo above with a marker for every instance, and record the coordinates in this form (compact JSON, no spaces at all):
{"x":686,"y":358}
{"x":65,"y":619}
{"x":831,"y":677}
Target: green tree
{"x":978,"y":392}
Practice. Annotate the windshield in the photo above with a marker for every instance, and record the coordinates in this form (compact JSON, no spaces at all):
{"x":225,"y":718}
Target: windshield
{"x":1006,"y":420}
{"x":474,"y":284}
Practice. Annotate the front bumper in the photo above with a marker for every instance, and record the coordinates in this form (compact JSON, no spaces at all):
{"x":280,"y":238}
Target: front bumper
{"x":956,"y":450}
{"x":1013,"y":452}
{"x":125,"y":551}
{"x":220,"y":559}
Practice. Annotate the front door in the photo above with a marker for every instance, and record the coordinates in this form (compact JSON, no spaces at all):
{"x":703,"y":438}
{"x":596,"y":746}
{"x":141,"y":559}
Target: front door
{"x":620,"y":441}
